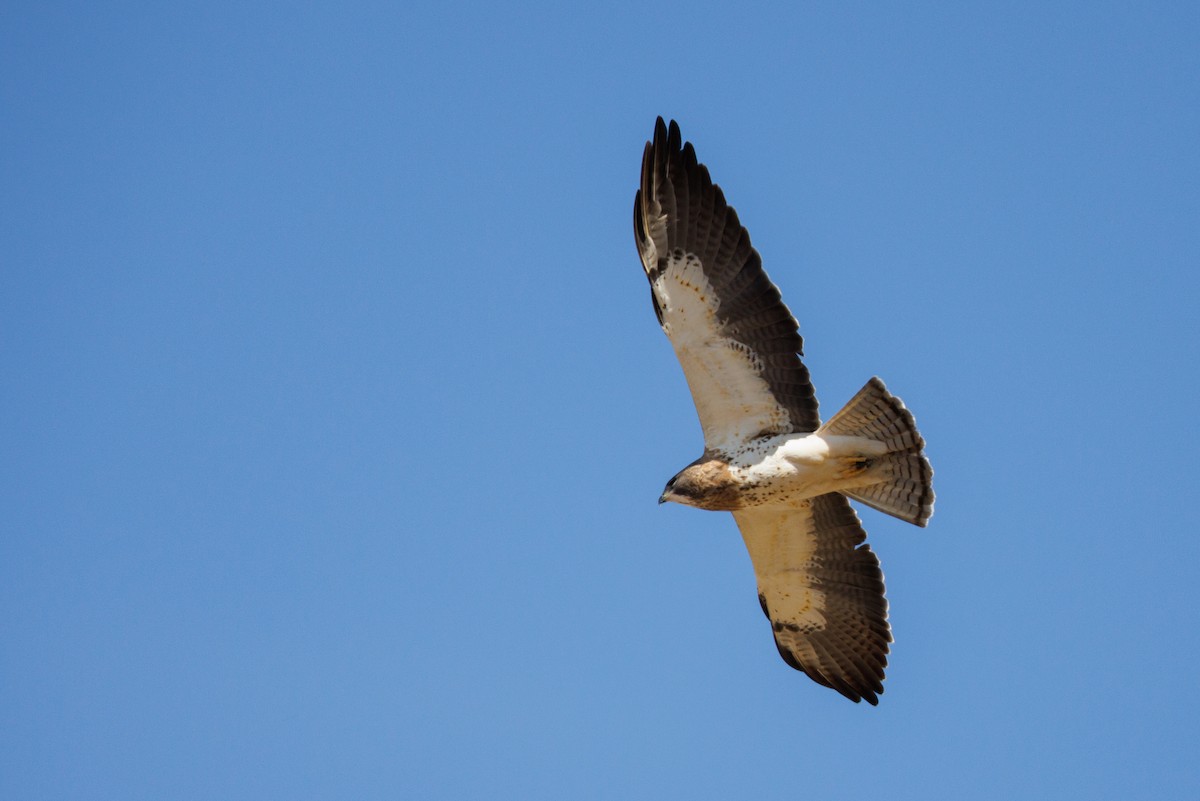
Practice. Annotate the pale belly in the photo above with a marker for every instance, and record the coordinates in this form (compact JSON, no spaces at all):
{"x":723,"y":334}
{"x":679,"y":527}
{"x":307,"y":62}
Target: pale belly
{"x":786,"y":471}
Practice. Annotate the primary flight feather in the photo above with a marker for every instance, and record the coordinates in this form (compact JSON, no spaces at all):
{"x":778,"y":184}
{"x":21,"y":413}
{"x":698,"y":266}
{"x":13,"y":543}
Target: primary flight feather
{"x":767,"y":458}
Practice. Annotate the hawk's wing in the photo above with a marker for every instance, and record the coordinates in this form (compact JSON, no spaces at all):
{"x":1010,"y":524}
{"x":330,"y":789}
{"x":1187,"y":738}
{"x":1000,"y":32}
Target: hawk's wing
{"x":738,"y":344}
{"x":822,"y":593}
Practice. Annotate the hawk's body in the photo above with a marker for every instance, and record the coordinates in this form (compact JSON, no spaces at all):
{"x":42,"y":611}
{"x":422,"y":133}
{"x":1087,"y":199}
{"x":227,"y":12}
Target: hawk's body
{"x":767,"y":458}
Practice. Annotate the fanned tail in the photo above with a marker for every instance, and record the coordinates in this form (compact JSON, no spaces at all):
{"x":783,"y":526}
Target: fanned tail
{"x":905,"y":487}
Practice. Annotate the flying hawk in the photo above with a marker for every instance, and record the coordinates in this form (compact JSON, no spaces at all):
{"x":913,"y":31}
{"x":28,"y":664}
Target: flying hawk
{"x":767,"y":457}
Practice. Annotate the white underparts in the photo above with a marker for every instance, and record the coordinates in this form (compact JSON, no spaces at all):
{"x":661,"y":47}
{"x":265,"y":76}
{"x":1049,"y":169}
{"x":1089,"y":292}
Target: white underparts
{"x":785,"y":470}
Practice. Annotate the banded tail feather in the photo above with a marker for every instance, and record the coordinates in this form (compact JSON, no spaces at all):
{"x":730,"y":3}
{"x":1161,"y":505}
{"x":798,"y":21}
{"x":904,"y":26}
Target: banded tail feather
{"x":905,"y":486}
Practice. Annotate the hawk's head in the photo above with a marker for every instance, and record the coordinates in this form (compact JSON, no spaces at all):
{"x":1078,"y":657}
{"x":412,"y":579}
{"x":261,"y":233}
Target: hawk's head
{"x":706,"y":483}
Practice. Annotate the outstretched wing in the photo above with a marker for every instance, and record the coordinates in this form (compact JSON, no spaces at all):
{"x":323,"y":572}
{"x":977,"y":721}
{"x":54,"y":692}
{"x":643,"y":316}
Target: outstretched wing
{"x":738,"y":344}
{"x":822,"y":593}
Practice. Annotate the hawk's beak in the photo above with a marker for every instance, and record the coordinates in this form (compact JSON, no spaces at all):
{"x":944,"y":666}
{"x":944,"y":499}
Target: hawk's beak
{"x":663,"y":498}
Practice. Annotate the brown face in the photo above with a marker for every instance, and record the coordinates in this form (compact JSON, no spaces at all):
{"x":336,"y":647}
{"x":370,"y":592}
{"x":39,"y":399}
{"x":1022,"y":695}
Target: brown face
{"x":706,"y":484}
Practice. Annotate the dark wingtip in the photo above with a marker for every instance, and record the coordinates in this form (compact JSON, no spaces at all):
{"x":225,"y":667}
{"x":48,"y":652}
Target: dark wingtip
{"x":660,"y":132}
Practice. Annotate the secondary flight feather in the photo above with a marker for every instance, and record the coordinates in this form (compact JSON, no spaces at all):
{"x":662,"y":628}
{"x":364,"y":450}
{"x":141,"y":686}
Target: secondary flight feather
{"x":767,"y":458}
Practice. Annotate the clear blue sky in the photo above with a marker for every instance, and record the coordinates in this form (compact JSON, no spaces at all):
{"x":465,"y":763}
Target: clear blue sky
{"x":333,"y":411}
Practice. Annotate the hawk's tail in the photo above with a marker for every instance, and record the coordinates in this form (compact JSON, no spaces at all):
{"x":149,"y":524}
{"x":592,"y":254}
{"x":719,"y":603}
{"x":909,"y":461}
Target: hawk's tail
{"x":905,"y":489}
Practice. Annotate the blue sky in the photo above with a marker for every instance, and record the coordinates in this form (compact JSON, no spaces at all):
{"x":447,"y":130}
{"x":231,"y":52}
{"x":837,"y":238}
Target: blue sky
{"x":334,"y":411}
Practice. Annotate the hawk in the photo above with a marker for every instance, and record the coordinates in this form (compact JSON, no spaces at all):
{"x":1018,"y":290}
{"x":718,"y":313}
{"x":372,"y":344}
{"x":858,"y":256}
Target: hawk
{"x":767,"y":457}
